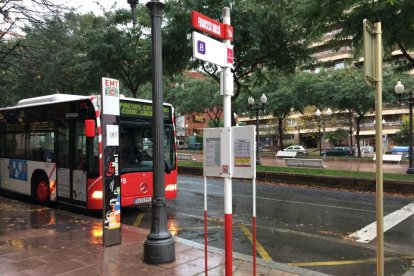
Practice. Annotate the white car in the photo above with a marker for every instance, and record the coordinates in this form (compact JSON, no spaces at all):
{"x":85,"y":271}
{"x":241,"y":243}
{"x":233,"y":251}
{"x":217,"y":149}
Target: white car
{"x":297,"y":148}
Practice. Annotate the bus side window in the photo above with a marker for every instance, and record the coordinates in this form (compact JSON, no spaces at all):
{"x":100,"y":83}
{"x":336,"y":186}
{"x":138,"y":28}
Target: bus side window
{"x":16,"y":145}
{"x":41,"y":141}
{"x":92,"y":157}
{"x":80,"y":143}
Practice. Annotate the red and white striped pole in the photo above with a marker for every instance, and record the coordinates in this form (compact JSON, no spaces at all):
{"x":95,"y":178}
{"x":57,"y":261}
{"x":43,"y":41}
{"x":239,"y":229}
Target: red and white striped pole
{"x":228,"y":224}
{"x":254,"y":225}
{"x":205,"y":226}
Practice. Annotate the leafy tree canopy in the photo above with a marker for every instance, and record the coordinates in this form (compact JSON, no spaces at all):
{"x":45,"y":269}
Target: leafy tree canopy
{"x":16,"y":14}
{"x":336,"y":137}
{"x":402,"y":137}
{"x":267,"y":34}
{"x":195,"y":93}
{"x":344,"y":19}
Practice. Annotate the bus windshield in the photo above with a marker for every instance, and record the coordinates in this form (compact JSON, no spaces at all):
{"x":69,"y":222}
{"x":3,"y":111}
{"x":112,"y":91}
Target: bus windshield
{"x":137,"y":147}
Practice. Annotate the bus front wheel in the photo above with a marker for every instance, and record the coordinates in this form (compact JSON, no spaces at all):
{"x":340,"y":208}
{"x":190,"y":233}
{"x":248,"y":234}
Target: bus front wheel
{"x":42,"y":190}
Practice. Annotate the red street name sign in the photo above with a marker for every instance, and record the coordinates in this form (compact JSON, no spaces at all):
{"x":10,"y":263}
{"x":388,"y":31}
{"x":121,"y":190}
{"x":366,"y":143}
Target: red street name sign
{"x":211,"y":26}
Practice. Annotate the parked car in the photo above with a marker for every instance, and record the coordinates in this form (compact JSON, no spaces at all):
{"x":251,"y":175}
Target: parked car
{"x":195,"y":146}
{"x":400,"y":149}
{"x":300,"y":150}
{"x":403,"y":150}
{"x":340,"y":151}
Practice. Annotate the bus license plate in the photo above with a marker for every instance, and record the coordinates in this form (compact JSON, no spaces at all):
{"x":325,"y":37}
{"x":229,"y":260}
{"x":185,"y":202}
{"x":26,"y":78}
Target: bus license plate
{"x":142,"y":200}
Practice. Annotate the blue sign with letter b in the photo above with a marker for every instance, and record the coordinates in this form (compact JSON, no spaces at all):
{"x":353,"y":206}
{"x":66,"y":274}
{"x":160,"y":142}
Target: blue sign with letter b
{"x":201,"y":47}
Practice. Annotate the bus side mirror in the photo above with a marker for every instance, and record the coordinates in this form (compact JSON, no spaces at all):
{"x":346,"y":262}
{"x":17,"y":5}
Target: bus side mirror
{"x":90,"y":128}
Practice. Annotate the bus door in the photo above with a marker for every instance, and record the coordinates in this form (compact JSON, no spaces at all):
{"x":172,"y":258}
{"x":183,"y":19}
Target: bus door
{"x":71,"y":162}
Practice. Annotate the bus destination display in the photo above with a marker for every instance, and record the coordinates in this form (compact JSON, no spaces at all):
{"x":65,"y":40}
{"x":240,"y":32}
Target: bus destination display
{"x":133,"y":109}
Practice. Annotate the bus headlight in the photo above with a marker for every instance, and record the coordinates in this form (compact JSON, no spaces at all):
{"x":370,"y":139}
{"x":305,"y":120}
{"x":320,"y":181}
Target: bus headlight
{"x":97,"y":195}
{"x":171,"y":187}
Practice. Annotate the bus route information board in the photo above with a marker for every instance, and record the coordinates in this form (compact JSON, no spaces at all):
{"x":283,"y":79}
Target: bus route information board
{"x":242,"y":152}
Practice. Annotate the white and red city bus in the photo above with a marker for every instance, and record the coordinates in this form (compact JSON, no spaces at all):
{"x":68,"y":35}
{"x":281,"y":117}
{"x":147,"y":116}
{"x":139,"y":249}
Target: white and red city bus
{"x":44,"y":152}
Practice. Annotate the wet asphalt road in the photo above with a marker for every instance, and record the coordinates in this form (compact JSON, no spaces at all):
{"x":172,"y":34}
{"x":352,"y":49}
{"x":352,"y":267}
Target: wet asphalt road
{"x":300,"y":226}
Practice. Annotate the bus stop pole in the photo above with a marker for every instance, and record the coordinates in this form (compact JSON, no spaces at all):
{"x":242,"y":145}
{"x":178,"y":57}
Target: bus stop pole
{"x":228,"y":219}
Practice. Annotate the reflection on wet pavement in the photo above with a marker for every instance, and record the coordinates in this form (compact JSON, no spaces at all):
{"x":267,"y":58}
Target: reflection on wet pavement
{"x":35,"y":240}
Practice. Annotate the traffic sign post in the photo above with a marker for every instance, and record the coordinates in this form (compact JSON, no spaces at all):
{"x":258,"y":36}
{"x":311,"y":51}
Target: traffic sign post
{"x":220,"y":54}
{"x":228,"y":211}
{"x":373,"y":77}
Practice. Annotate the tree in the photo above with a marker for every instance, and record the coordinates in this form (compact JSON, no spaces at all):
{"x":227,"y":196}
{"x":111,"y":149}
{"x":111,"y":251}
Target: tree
{"x":195,"y":93}
{"x":267,"y":35}
{"x":341,"y":90}
{"x":402,"y":137}
{"x":336,"y":137}
{"x":112,"y":48}
{"x":283,"y":95}
{"x":46,"y":61}
{"x":70,"y":54}
{"x":16,"y":14}
{"x":294,"y":92}
{"x":357,"y":99}
{"x":345,"y":17}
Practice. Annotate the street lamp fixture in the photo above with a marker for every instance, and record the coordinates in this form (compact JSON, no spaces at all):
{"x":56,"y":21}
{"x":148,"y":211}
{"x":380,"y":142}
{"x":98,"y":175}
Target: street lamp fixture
{"x":321,"y":117}
{"x":159,"y":247}
{"x":133,"y":4}
{"x":399,"y":90}
{"x":257,"y":109}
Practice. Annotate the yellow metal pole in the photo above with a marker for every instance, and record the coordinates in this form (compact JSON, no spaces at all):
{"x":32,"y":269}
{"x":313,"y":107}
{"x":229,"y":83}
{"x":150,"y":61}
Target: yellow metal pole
{"x":379,"y":148}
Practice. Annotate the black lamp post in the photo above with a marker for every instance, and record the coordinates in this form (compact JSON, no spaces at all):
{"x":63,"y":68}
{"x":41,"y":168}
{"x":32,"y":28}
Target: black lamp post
{"x":399,"y":90}
{"x":257,"y":108}
{"x":159,"y":247}
{"x":321,"y":117}
{"x":319,"y":134}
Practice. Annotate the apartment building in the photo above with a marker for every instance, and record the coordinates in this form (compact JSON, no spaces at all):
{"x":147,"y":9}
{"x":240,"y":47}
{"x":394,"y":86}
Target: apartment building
{"x":331,"y":57}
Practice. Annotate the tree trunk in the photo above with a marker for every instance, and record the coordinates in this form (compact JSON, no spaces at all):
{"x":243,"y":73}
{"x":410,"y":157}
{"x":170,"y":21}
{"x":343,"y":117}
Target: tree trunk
{"x":280,"y":130}
{"x":358,"y":128}
{"x":350,"y":129}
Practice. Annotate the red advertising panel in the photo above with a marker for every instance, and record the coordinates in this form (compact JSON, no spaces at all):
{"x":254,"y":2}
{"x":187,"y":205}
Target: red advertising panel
{"x":211,"y":26}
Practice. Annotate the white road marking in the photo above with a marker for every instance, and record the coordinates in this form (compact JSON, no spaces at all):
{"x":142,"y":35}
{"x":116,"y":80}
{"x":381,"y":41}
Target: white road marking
{"x":368,"y":233}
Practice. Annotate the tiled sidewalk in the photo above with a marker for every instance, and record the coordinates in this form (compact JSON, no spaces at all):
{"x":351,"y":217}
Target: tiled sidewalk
{"x":36,"y":240}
